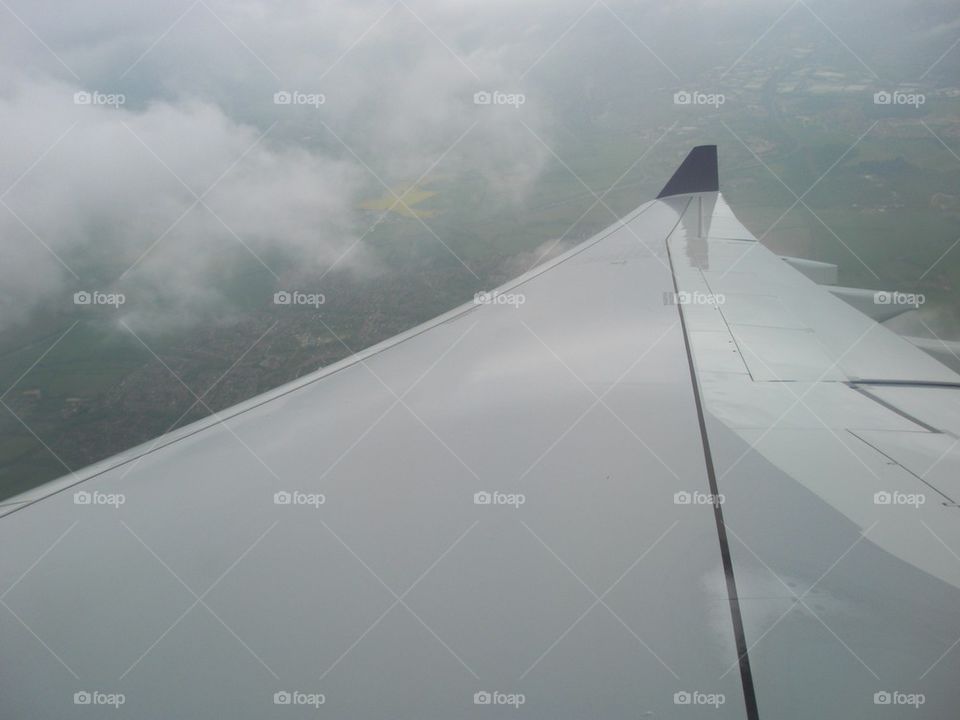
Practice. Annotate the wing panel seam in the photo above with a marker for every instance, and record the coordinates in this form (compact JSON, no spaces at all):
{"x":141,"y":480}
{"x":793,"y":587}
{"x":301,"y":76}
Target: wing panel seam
{"x":743,"y":657}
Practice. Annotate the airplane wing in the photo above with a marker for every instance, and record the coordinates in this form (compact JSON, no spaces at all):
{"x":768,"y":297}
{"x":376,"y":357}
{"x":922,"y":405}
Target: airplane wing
{"x":665,"y":474}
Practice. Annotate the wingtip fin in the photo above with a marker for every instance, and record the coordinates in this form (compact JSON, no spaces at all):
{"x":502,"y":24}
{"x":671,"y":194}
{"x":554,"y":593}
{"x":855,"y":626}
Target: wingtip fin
{"x":697,"y":173}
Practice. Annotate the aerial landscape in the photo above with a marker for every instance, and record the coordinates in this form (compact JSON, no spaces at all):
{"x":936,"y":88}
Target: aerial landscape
{"x":429,"y":359}
{"x":436,"y":217}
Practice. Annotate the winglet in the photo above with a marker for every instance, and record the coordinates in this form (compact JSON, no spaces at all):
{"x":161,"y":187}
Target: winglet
{"x":697,"y":173}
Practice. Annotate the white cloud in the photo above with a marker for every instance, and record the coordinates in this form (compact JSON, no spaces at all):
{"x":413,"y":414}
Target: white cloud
{"x":200,"y":99}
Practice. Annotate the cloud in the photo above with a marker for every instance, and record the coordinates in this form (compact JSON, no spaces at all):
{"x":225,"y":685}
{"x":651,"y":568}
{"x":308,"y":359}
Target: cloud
{"x":117,"y":198}
{"x":111,"y":193}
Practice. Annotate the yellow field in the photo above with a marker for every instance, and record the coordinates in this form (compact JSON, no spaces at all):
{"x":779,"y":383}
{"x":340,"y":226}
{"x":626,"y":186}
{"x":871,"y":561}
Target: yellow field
{"x":411,"y":196}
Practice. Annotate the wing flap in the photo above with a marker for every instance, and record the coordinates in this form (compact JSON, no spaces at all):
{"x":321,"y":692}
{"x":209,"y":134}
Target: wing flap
{"x":838,"y":492}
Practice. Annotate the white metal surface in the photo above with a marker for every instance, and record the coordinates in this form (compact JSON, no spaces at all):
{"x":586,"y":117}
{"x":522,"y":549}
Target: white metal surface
{"x":400,"y":596}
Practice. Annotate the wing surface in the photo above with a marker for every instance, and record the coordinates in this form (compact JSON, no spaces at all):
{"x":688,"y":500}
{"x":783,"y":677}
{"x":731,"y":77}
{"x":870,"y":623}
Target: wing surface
{"x":510,"y":504}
